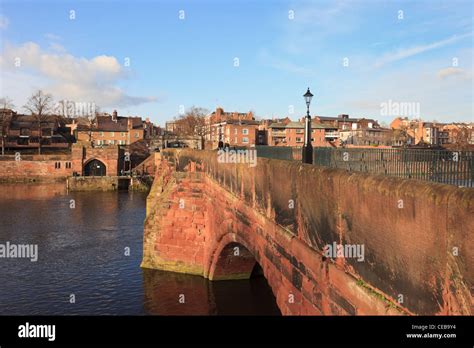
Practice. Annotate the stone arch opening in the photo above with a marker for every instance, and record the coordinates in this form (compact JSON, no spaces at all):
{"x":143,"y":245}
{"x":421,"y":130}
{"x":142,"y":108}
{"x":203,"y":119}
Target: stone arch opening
{"x":95,"y":167}
{"x":234,"y":261}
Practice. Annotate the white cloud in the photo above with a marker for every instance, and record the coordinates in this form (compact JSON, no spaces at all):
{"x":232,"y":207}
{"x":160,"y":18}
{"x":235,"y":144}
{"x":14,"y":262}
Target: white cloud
{"x":4,"y":22}
{"x":439,"y":96}
{"x":409,"y":52}
{"x":57,"y":47}
{"x":68,"y":77}
{"x":316,"y":21}
{"x":452,"y":71}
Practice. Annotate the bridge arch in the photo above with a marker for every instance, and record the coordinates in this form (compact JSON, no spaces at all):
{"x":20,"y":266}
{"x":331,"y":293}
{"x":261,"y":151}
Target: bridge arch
{"x":224,"y":264}
{"x":95,"y":167}
{"x":233,"y":258}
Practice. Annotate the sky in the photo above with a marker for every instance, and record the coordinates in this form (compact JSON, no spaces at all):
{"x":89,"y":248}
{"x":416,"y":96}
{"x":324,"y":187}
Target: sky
{"x":155,"y":58}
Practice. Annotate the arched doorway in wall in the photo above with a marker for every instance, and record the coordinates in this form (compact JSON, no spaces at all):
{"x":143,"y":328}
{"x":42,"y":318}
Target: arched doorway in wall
{"x":95,"y":168}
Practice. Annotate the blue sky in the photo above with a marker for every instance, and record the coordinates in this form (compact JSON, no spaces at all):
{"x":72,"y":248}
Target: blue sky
{"x":423,"y":54}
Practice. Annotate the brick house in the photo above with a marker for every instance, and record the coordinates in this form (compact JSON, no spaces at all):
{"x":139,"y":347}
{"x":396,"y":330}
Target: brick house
{"x":23,"y":132}
{"x":292,"y":134}
{"x":431,"y":133}
{"x":111,"y":130}
{"x":240,"y":133}
{"x":233,"y":128}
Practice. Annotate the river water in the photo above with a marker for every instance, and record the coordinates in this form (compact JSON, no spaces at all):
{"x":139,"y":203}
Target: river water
{"x":89,"y":254}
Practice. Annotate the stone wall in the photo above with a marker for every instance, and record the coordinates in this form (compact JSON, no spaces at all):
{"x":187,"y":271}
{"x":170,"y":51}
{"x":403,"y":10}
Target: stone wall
{"x":31,"y":166}
{"x":59,"y":166}
{"x":416,"y":235}
{"x":109,"y":155}
{"x":96,"y":183}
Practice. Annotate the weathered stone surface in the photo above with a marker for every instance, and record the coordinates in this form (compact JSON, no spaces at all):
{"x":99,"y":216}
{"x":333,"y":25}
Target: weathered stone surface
{"x":96,"y":183}
{"x":282,"y":214}
{"x":59,"y":166}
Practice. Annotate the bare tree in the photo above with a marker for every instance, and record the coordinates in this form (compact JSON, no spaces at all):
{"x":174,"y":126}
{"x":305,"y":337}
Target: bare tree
{"x":461,"y":138}
{"x":39,"y":105}
{"x":400,"y":136}
{"x":192,"y":122}
{"x":6,"y":105}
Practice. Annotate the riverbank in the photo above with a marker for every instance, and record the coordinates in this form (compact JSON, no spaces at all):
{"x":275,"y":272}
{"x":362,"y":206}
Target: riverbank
{"x":32,"y":179}
{"x":84,"y":183}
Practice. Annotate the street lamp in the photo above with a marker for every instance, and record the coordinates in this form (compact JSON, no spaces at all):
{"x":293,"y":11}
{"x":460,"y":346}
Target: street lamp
{"x":307,"y":147}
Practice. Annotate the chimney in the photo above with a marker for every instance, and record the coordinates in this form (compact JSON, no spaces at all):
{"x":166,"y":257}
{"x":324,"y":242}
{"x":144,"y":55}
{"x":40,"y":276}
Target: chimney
{"x":129,"y":123}
{"x":114,"y":116}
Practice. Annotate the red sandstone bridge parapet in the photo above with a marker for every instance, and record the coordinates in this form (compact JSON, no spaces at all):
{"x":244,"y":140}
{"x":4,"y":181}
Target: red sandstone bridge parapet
{"x":218,"y":219}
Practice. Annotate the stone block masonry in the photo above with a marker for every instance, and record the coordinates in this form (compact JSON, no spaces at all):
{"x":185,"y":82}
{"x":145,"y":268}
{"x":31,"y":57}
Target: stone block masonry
{"x":35,"y":166}
{"x":51,"y":167}
{"x":217,"y":220}
{"x":96,"y":183}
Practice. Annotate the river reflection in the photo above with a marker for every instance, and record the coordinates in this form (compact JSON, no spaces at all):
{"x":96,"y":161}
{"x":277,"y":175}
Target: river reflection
{"x":82,"y":239}
{"x":169,"y":293}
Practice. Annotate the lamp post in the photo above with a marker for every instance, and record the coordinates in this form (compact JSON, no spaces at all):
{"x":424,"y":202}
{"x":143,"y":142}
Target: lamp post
{"x":307,"y":147}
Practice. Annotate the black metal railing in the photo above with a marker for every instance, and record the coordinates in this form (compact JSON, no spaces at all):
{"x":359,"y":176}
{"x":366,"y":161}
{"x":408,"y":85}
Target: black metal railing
{"x":442,"y":166}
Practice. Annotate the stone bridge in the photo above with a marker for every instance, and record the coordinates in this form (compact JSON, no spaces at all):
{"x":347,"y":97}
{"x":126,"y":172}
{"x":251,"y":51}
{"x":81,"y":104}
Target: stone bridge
{"x":329,"y":242}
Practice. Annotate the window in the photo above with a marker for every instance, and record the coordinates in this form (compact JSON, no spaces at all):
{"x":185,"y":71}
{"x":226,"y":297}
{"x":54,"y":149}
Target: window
{"x":299,"y":140}
{"x":122,"y":134}
{"x":299,"y":131}
{"x":22,"y":141}
{"x":111,"y":142}
{"x":68,"y":165}
{"x":235,"y":139}
{"x":354,"y":126}
{"x":24,"y":131}
{"x":245,"y":131}
{"x":46,"y":131}
{"x":112,"y":134}
{"x":245,"y":140}
{"x":235,"y":131}
{"x":57,"y":165}
{"x":100,"y":142}
{"x":136,"y":135}
{"x":101,"y":134}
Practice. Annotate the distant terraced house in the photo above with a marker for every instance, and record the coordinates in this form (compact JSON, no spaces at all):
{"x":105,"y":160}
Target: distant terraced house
{"x":28,"y":132}
{"x":112,"y":129}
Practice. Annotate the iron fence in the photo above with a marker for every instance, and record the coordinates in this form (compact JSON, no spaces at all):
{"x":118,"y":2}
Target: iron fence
{"x":442,"y":166}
